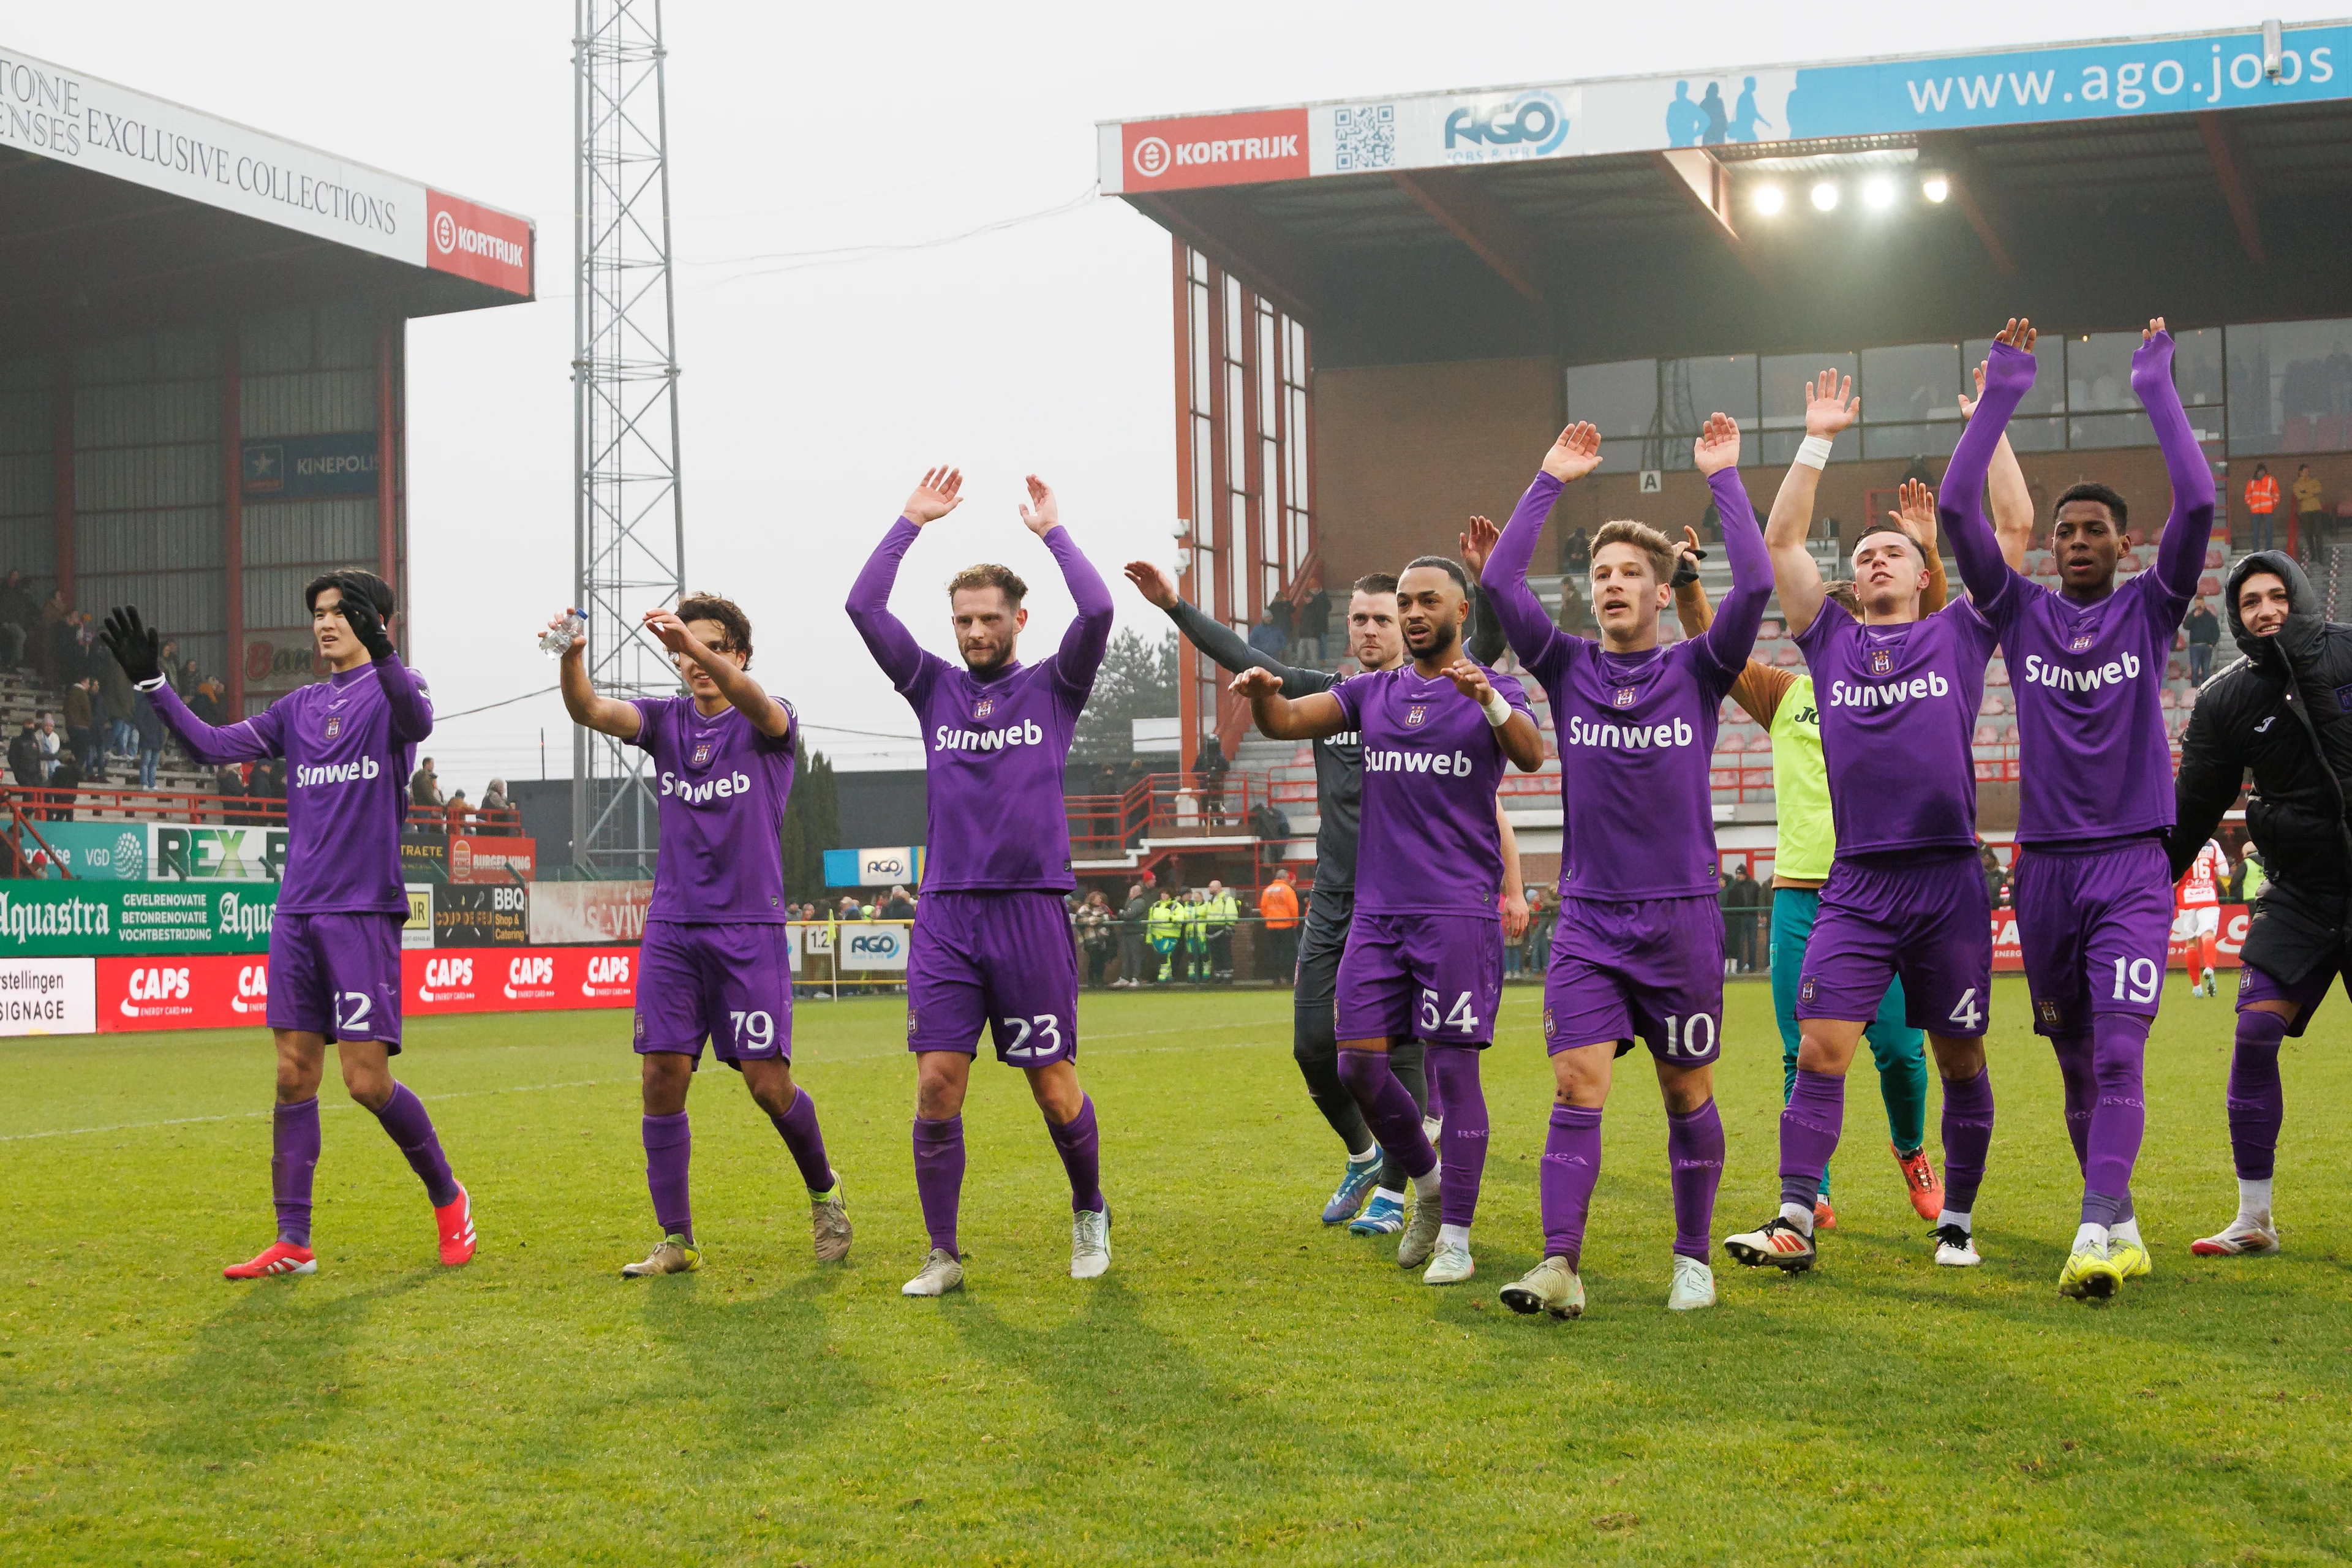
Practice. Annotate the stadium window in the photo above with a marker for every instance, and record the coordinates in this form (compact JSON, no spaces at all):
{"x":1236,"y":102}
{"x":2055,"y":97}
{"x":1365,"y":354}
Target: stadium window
{"x":2197,"y":372}
{"x":1910,"y":385}
{"x":2098,"y":375}
{"x":2043,"y":435}
{"x":1785,"y":378}
{"x":1622,"y":399}
{"x":1934,"y":439}
{"x":2290,"y":387}
{"x":2091,"y":430}
{"x":2049,"y":392}
{"x":1691,"y":389}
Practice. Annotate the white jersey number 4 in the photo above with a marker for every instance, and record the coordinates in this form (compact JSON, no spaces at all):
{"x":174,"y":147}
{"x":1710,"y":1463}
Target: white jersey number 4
{"x":1966,"y":1013}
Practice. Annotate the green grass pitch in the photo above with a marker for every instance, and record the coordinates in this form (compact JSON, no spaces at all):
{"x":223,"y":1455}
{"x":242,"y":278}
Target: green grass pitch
{"x":1245,"y":1386}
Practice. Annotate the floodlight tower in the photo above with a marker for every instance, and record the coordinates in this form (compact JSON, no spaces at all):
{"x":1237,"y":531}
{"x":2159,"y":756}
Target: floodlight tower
{"x":628,"y":513}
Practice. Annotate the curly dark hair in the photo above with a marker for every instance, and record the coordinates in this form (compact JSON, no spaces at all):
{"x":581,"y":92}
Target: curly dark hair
{"x":727,"y":614}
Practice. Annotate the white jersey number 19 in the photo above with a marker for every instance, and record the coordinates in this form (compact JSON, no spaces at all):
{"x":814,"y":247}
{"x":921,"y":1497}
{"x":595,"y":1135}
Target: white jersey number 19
{"x":2141,"y":975}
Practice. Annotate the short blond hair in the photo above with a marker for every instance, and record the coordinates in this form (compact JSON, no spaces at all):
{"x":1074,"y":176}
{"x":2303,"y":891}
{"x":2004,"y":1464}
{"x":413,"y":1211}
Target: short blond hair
{"x":1643,"y":538}
{"x":988,"y":574}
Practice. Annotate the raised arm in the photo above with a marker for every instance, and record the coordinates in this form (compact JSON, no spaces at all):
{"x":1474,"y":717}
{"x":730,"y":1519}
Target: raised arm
{"x":1732,"y":634}
{"x":404,"y":694}
{"x":1829,"y":409}
{"x":2180,"y":553}
{"x":745,"y":695}
{"x":2005,"y":488}
{"x":2009,"y":375}
{"x":607,"y":715}
{"x":1088,"y":637}
{"x":1505,"y":577}
{"x":1224,"y":647}
{"x":1483,"y":640}
{"x":1759,"y":687}
{"x":886,"y":638}
{"x":1508,"y":713}
{"x":1307,"y":717}
{"x":137,"y":647}
{"x":1915,"y":510}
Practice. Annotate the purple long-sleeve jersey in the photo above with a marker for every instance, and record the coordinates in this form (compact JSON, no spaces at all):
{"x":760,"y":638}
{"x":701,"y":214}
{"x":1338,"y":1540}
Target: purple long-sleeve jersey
{"x":2088,"y":678}
{"x":721,"y":783}
{"x":1635,"y":730}
{"x":349,"y":743}
{"x":997,"y":742}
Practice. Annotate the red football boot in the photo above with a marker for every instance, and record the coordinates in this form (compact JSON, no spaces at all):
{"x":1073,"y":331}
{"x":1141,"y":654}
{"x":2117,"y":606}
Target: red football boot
{"x":456,"y":1219}
{"x":1924,"y":1187}
{"x":281,"y":1259}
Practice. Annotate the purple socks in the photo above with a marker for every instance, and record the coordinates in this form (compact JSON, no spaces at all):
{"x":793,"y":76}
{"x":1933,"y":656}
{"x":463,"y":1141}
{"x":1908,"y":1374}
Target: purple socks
{"x":1809,"y":1125}
{"x":803,"y":1137}
{"x":669,"y":1151}
{"x":407,"y":1125}
{"x":1388,"y":1110}
{"x":294,"y":1157}
{"x":1454,"y":1074}
{"x":1081,"y":1151}
{"x":1572,"y":1164}
{"x":2257,"y":1100}
{"x":2118,"y":1046}
{"x":939,"y":1178}
{"x":2078,"y":1067}
{"x":1968,"y":1138}
{"x":1695,"y":1158}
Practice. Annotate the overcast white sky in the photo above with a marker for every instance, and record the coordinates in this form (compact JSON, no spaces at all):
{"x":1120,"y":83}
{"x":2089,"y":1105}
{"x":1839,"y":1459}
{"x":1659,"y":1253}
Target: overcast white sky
{"x":813,"y":396}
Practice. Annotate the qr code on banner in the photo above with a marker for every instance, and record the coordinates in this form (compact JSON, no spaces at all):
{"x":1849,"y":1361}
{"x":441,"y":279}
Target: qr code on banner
{"x":1366,"y":137}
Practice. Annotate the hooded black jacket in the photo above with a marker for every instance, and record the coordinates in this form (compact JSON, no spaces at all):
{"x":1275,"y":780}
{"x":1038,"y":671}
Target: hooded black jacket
{"x":2285,"y":710}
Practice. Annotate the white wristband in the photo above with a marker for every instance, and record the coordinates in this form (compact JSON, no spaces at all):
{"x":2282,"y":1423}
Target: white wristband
{"x":150,"y":684}
{"x":1814,"y":451}
{"x":1498,"y":712}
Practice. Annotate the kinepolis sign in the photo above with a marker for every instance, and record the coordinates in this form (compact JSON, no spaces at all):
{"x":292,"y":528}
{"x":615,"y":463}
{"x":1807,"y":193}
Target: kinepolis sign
{"x":53,"y":111}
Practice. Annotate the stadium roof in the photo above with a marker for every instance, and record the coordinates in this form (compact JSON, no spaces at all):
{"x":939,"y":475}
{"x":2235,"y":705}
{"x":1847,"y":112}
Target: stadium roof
{"x":2202,"y":176}
{"x":120,"y":212}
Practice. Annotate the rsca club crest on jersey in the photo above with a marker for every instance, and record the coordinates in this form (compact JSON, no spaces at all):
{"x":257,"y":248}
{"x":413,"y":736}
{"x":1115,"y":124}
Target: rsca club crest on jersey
{"x":1805,"y":990}
{"x":1624,"y":697}
{"x":1881,"y":661}
{"x":1415,"y":714}
{"x":1547,"y":1023}
{"x":983,"y":707}
{"x":2048,"y":1010}
{"x":335,"y":725}
{"x":701,"y":754}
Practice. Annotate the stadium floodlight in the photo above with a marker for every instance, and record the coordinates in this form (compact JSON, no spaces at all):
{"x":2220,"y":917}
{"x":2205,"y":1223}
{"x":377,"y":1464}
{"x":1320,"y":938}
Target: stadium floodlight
{"x":629,"y":520}
{"x":1879,"y":193}
{"x":1935,"y":187}
{"x":1767,"y":199}
{"x":1825,"y":195}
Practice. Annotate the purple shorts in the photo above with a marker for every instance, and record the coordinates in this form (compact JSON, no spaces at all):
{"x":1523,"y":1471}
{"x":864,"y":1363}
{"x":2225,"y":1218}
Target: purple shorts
{"x":1005,"y":960}
{"x":2256,"y":985}
{"x":1434,"y":977}
{"x":1926,"y":919}
{"x":337,"y":976}
{"x":1650,"y":971}
{"x":731,"y":984}
{"x":2095,"y":927}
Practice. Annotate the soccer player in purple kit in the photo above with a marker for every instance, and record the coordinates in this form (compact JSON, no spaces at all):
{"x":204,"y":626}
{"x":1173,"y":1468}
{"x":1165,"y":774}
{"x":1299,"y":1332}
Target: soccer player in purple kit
{"x":1897,"y":693}
{"x":2093,"y":887}
{"x":1638,"y":952}
{"x":716,"y":962}
{"x":991,"y":940}
{"x":349,"y":743}
{"x":1424,"y":954}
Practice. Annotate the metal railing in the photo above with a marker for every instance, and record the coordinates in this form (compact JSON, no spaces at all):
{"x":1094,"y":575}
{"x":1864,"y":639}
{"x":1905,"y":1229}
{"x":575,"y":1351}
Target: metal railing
{"x":99,"y":802}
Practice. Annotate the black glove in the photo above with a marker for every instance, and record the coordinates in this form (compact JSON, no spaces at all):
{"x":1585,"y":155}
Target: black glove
{"x":136,"y":648}
{"x":1685,"y":570}
{"x":358,"y":614}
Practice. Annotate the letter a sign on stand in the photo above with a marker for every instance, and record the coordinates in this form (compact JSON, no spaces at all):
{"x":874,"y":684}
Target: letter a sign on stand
{"x":1653,"y":481}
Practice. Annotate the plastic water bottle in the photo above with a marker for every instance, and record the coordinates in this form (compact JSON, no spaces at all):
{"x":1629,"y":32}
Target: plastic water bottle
{"x":557,"y":640}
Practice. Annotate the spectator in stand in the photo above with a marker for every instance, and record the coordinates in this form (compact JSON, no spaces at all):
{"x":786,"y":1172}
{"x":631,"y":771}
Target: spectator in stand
{"x":1220,"y":913}
{"x":2309,"y":509}
{"x":114,"y":689}
{"x":1265,"y":822}
{"x":189,"y":682}
{"x":494,"y":799}
{"x":45,"y":636}
{"x":267,"y":784}
{"x":1278,"y":906}
{"x":228,"y":783}
{"x":168,"y":658}
{"x":458,"y":816}
{"x":1133,"y":963}
{"x":1209,"y":769}
{"x":1745,"y":896}
{"x":1097,"y":930}
{"x":1313,"y":622}
{"x":52,"y":746}
{"x":18,"y":615}
{"x":79,"y":727}
{"x":1996,"y":878}
{"x":68,"y":658}
{"x":206,"y":702}
{"x":25,"y":759}
{"x":1576,"y":552}
{"x":1285,"y":615}
{"x":898,"y":905}
{"x":1267,"y":636}
{"x":64,"y":780}
{"x":423,"y":789}
{"x":2262,"y":500}
{"x":149,"y":724}
{"x":1543,"y":917}
{"x":2204,"y":635}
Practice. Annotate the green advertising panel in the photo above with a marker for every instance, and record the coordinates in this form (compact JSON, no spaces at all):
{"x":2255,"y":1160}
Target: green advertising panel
{"x":163,"y":851}
{"x":53,"y":920}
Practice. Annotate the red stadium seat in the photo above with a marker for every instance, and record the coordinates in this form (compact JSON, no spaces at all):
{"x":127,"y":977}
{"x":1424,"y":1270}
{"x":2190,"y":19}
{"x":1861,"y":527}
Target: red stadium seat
{"x":2187,"y":697}
{"x":2168,"y":699}
{"x":2214,"y":558}
{"x":1997,"y":673}
{"x":1789,"y":656}
{"x":2209,"y":585}
{"x":2130,"y":562}
{"x":1986,"y":736}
